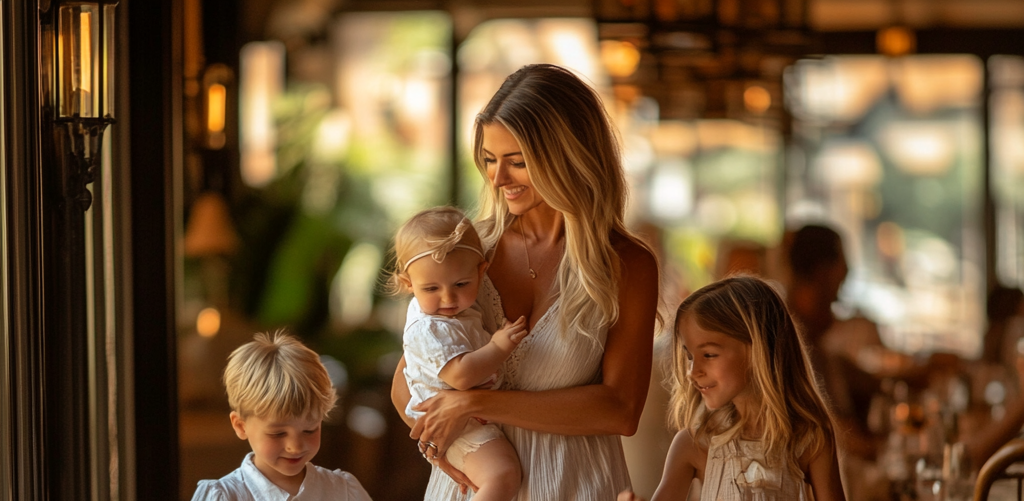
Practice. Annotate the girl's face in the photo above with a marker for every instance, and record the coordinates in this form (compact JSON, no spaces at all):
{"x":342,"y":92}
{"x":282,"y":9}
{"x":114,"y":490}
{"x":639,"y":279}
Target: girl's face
{"x":718,"y":365}
{"x":506,"y":169}
{"x":446,"y":288}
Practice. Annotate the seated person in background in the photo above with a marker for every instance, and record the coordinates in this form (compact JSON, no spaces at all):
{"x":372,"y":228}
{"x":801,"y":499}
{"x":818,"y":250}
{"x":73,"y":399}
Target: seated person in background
{"x":817,"y":266}
{"x":279,"y":394}
{"x":1004,"y":310}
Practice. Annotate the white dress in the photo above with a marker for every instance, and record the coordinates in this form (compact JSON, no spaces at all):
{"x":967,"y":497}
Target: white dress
{"x":737,"y":471}
{"x":430,"y":342}
{"x":555,"y":467}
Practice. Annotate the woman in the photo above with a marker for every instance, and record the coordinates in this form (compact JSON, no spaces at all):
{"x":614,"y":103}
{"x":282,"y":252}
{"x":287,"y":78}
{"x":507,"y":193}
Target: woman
{"x":552,"y":221}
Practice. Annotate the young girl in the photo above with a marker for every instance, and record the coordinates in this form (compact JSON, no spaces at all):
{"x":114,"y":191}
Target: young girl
{"x":439,"y":259}
{"x":752,"y":424}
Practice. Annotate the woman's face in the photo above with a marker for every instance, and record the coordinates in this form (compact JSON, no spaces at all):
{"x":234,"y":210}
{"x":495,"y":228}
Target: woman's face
{"x":506,"y":169}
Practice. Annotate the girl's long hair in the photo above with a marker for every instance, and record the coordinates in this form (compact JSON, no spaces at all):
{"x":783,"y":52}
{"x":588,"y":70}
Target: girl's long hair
{"x":573,"y":160}
{"x":792,"y":410}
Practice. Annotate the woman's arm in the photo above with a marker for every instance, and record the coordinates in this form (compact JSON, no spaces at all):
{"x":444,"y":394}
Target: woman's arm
{"x":679,"y":469}
{"x":400,"y":394}
{"x":823,"y":474}
{"x":611,"y":407}
{"x":400,"y":397}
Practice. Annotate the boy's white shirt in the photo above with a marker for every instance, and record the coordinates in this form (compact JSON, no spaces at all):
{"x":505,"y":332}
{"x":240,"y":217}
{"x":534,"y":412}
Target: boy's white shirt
{"x":247,"y":483}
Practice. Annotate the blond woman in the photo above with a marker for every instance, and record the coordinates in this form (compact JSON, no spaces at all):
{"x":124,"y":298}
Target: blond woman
{"x":553,"y":230}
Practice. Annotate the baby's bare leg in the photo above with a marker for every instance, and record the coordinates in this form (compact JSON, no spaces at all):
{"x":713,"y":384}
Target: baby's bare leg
{"x":495,"y":470}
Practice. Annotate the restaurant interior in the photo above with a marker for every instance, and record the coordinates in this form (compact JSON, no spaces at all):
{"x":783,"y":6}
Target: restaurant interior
{"x":243,"y":165}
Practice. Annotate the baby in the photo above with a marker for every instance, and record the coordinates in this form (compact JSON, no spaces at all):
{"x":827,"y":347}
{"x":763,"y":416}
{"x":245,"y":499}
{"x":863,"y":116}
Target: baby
{"x":440,"y":260}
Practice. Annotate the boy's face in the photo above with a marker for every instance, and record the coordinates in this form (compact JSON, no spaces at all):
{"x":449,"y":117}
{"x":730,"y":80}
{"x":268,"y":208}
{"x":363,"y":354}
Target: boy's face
{"x":446,"y":288}
{"x":282,"y":447}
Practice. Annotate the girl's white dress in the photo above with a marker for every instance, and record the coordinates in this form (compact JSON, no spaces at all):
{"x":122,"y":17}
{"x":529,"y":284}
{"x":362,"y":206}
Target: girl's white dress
{"x":737,"y":471}
{"x":555,"y":467}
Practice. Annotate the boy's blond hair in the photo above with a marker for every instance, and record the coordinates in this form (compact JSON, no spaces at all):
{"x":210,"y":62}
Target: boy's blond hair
{"x":276,"y":376}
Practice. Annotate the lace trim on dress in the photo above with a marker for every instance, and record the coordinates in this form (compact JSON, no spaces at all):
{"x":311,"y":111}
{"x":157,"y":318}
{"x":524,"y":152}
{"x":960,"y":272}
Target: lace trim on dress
{"x":498,"y":314}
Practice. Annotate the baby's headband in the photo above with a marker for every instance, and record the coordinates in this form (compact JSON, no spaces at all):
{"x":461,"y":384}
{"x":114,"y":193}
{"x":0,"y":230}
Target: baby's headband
{"x":446,"y":246}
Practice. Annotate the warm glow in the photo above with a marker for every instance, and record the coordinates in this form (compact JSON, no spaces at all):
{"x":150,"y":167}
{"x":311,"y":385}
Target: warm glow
{"x":841,"y":89}
{"x":895,"y":41}
{"x":849,"y":165}
{"x":216,"y":102}
{"x":934,"y":82}
{"x":262,"y":81}
{"x":671,"y":191}
{"x":570,"y":44}
{"x":619,"y":58}
{"x":674,"y":138}
{"x":757,"y":99}
{"x":920,"y":148}
{"x":890,"y":240}
{"x":85,"y":52}
{"x":208,"y":322}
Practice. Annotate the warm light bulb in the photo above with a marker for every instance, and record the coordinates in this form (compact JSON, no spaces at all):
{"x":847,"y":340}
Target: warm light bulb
{"x":757,"y":99}
{"x":216,"y":101}
{"x":208,"y":322}
{"x":619,"y":58}
{"x":85,"y":52}
{"x":895,"y":41}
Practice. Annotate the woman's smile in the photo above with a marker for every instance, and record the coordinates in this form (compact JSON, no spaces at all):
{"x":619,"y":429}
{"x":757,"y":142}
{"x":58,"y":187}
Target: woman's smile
{"x":513,"y":193}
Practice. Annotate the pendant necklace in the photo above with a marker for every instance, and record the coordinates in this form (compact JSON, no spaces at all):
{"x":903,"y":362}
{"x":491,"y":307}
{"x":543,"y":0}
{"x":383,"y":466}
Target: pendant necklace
{"x":533,"y":274}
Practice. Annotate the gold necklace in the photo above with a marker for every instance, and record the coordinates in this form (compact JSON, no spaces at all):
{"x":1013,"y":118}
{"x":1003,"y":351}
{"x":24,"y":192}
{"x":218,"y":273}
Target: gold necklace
{"x":526,"y":250}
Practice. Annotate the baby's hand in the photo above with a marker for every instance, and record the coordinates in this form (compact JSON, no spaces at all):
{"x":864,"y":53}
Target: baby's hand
{"x":510,"y":334}
{"x":627,"y":495}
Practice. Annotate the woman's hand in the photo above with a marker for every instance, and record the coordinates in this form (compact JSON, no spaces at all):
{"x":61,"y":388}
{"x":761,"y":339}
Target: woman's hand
{"x":443,"y":420}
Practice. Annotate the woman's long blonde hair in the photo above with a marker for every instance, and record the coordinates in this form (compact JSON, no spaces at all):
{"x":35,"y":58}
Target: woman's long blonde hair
{"x":792,"y":409}
{"x":573,"y":160}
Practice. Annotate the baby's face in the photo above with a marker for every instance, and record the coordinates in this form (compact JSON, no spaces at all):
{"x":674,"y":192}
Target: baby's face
{"x":282,"y":446}
{"x":449,"y":287}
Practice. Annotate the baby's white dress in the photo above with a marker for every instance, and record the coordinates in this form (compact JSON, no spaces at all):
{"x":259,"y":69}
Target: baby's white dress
{"x":430,"y":342}
{"x":555,"y":467}
{"x":737,"y":471}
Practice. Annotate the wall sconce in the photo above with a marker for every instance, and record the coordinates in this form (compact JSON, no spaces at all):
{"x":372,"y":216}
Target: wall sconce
{"x":82,"y":89}
{"x":216,"y":82}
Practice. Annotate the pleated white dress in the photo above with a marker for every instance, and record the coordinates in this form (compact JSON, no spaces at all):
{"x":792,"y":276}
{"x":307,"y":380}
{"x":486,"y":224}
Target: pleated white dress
{"x":555,"y":467}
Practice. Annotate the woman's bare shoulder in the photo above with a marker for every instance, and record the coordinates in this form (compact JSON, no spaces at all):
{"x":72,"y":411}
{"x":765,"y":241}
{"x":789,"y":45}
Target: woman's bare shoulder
{"x":636,"y":258}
